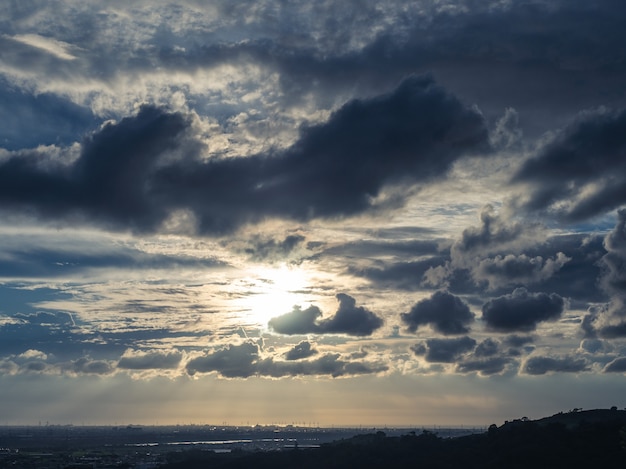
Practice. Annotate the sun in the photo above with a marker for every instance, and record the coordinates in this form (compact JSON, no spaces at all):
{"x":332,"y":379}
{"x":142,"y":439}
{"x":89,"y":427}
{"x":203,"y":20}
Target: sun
{"x":272,"y":292}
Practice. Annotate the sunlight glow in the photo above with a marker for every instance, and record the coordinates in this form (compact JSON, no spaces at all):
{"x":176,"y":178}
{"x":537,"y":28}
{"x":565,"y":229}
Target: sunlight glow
{"x":273,"y":291}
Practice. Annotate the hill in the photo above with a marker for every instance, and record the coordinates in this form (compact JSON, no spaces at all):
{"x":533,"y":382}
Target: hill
{"x":587,"y":439}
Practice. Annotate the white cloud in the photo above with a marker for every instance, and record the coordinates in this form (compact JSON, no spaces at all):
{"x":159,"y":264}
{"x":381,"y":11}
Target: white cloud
{"x":59,"y":49}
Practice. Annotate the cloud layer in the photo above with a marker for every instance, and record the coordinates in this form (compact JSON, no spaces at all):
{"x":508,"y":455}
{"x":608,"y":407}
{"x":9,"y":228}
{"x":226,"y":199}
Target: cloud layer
{"x":175,"y":177}
{"x":136,"y":173}
{"x":349,"y":319}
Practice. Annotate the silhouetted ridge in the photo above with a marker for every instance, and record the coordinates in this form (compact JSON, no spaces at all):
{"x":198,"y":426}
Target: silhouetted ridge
{"x":567,"y":440}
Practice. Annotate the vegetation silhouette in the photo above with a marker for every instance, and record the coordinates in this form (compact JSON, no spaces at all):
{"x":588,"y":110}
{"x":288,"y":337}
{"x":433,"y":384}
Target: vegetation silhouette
{"x":576,"y":439}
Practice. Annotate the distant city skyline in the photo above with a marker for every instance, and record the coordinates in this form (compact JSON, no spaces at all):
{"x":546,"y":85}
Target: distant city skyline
{"x":351,"y":213}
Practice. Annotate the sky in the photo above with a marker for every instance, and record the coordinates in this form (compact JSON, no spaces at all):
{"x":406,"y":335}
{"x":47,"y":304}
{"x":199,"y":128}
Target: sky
{"x":322,"y":213}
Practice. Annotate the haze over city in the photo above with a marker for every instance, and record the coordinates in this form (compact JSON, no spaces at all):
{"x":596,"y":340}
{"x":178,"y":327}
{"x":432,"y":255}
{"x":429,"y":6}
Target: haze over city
{"x":316,"y":213}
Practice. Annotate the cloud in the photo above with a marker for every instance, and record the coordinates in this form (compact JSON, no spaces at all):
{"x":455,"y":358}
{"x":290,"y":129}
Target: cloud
{"x":496,"y":254}
{"x":616,"y":366}
{"x":302,"y":350}
{"x":487,"y":348}
{"x":8,"y":367}
{"x":577,"y":278}
{"x":312,"y":56}
{"x":35,"y":366}
{"x":244,"y":360}
{"x":349,"y":319}
{"x":87,"y":366}
{"x":579,"y":174}
{"x":384,"y":244}
{"x":56,"y":48}
{"x":540,"y":365}
{"x":233,"y":361}
{"x":510,"y":269}
{"x":493,"y":235}
{"x":446,"y":313}
{"x":521,"y":310}
{"x":614,"y":276}
{"x":154,"y":360}
{"x":518,"y":340}
{"x":485,"y":366}
{"x":499,"y":254}
{"x":507,"y":134}
{"x":80,"y":259}
{"x":270,"y":249}
{"x":136,"y":173}
{"x":44,"y":318}
{"x":108,"y":183}
{"x":328,"y":364}
{"x":609,"y":320}
{"x":444,"y":350}
{"x":405,"y":275}
{"x":297,"y":321}
{"x":595,"y":346}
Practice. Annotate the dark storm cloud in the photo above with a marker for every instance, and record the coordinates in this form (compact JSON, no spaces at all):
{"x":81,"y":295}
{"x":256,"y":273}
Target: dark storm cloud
{"x":417,"y":257}
{"x":329,"y":364}
{"x":444,"y":350}
{"x":616,"y":366}
{"x":487,"y":348}
{"x":522,"y":310}
{"x":565,"y":264}
{"x":446,"y":313}
{"x":110,"y":180}
{"x":614,"y":276}
{"x":522,"y":269}
{"x":150,"y":361}
{"x":484,"y":366}
{"x":518,"y":340}
{"x":527,"y":44}
{"x":297,"y":321}
{"x":492,"y":235}
{"x":135,"y":173}
{"x":349,"y":319}
{"x":419,"y":130}
{"x":234,"y":361}
{"x":244,"y":360}
{"x":401,"y":275}
{"x":472,"y":264}
{"x":580,"y":173}
{"x":577,"y":279}
{"x":500,"y":254}
{"x":325,"y":51}
{"x":302,"y":350}
{"x":540,"y":365}
{"x":88,"y":366}
{"x":609,"y":320}
{"x":486,"y":359}
{"x":413,"y":134}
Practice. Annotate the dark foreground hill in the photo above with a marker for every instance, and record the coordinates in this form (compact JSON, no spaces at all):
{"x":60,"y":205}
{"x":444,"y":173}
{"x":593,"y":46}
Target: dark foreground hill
{"x":586,"y":439}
